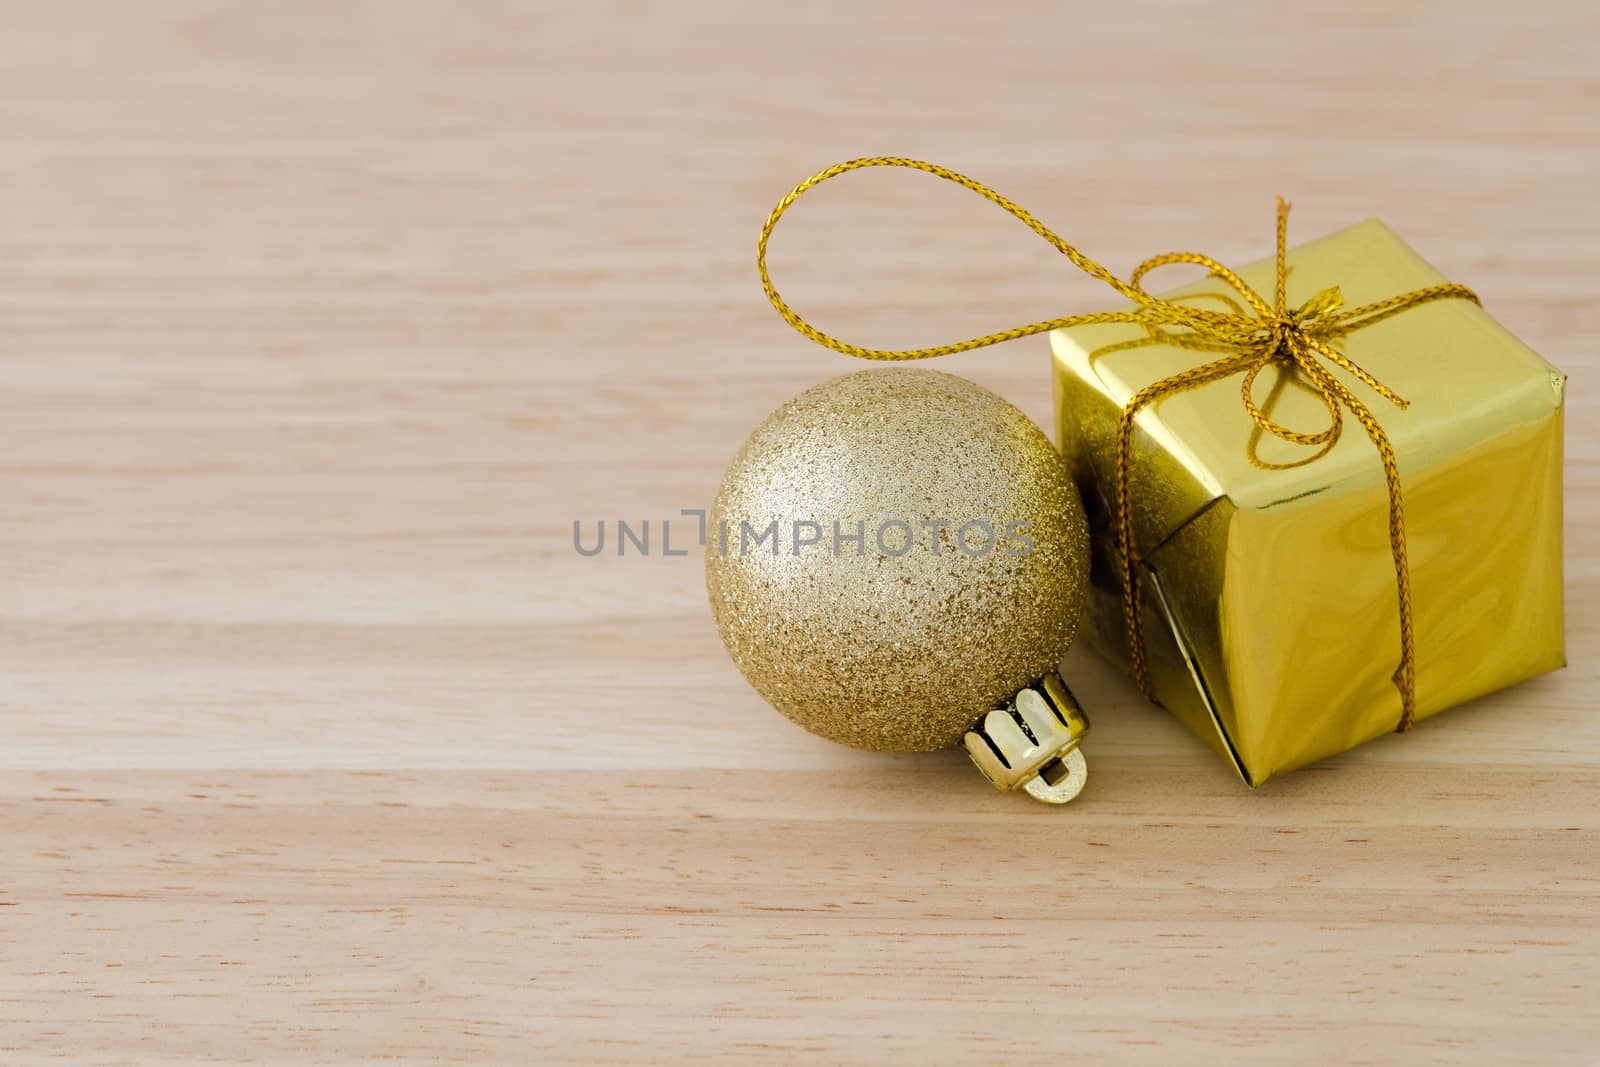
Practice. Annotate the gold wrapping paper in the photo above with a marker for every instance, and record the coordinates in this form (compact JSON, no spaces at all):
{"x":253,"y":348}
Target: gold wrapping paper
{"x":1269,"y":594}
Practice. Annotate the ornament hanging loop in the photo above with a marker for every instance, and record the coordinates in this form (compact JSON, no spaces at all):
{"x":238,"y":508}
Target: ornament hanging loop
{"x":1031,"y":743}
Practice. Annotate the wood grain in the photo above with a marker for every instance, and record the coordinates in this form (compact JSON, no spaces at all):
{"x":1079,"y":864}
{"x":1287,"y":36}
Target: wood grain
{"x":319,"y":327}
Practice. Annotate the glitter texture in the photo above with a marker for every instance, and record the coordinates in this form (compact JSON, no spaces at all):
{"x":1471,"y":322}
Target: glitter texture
{"x":883,"y":651}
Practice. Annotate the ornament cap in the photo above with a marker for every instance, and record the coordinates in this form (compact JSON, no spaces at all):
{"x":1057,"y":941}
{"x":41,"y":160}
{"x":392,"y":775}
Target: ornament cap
{"x":1031,"y":743}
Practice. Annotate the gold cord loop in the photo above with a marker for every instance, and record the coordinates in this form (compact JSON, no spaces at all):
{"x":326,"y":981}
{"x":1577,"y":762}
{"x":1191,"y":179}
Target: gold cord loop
{"x":1299,"y":341}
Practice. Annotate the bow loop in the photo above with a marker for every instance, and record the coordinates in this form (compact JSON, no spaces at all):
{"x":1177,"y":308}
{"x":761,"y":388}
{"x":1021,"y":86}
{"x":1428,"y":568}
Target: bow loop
{"x":1306,"y":316}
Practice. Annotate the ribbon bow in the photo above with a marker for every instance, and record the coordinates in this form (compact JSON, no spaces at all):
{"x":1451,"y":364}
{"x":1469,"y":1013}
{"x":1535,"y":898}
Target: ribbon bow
{"x":1247,"y":339}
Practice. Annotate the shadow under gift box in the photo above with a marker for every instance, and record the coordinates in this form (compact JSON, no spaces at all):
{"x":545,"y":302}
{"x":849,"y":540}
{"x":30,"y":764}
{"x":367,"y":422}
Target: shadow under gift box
{"x":1270,"y":611}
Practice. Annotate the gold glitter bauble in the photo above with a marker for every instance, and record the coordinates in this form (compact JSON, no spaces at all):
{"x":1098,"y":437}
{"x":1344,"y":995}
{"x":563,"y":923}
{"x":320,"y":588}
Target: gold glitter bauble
{"x":902,"y":639}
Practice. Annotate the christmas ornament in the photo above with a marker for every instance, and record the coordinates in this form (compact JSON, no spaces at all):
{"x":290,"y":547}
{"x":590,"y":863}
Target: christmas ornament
{"x":1254,"y":546}
{"x":896,"y":560}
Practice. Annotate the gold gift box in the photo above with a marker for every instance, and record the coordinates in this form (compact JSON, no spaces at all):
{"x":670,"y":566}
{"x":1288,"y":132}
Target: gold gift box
{"x":1269,"y":606}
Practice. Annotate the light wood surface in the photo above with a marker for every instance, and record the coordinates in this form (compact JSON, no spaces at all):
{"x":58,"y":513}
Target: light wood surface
{"x":319,"y":326}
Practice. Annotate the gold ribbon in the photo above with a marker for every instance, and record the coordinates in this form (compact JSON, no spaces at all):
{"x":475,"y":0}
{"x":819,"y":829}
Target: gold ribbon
{"x":1299,"y":339}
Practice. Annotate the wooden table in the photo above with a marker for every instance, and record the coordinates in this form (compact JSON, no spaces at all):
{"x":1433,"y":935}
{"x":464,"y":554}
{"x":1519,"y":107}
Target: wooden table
{"x":321,"y":325}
